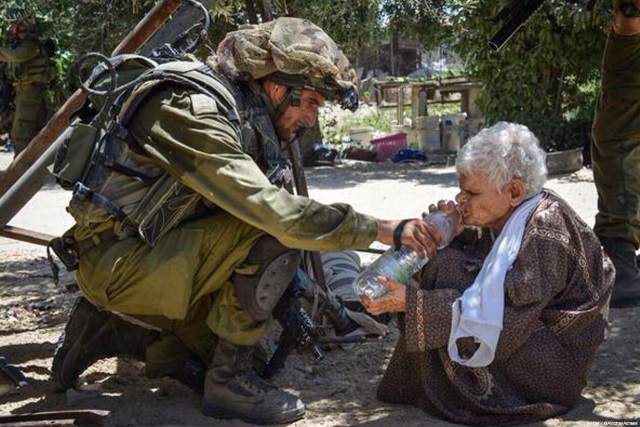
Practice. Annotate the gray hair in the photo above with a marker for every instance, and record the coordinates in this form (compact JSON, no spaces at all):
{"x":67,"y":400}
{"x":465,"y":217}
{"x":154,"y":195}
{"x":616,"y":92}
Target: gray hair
{"x":503,"y":152}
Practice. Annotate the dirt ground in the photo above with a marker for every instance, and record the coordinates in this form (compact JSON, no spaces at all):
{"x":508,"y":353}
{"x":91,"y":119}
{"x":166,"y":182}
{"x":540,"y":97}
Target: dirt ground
{"x":339,"y":390}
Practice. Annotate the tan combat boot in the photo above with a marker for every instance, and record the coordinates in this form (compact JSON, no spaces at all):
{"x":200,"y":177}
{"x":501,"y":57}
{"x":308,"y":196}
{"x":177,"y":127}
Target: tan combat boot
{"x":233,"y":390}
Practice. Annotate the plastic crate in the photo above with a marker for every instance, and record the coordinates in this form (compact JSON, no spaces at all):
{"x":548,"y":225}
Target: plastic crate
{"x":389,"y":145}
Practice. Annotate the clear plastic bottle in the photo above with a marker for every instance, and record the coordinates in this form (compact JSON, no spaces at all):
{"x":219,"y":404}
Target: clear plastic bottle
{"x":400,"y":265}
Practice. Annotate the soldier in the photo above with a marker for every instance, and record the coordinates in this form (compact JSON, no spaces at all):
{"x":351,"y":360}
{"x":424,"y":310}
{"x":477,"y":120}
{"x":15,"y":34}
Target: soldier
{"x":615,"y":152}
{"x":30,"y":69}
{"x":210,"y":282}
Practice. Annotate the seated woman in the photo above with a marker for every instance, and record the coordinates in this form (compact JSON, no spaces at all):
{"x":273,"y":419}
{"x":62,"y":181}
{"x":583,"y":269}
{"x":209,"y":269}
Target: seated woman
{"x":507,"y":320}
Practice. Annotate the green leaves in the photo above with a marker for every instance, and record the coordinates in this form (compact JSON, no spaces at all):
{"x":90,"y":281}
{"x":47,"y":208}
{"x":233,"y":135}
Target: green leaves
{"x":546,"y":74}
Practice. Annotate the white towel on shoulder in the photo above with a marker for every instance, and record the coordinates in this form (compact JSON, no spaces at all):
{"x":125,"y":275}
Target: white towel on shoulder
{"x":479,"y":312}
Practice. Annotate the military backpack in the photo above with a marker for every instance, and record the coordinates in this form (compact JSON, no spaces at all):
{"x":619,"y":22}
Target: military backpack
{"x":108,"y":171}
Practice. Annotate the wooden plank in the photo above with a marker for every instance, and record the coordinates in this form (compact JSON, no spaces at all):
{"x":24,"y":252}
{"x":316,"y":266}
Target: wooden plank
{"x":42,"y":423}
{"x":81,"y":417}
{"x":25,"y":235}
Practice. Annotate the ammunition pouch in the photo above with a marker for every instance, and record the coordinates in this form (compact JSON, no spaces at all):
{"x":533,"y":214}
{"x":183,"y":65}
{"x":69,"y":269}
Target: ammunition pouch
{"x":165,"y":204}
{"x":74,"y":155}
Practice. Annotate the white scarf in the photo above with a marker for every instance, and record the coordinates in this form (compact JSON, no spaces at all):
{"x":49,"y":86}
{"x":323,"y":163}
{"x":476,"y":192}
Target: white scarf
{"x":479,"y":312}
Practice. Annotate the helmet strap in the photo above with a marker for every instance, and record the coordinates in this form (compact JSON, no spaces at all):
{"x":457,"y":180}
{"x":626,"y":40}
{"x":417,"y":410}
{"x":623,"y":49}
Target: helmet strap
{"x":296,"y":96}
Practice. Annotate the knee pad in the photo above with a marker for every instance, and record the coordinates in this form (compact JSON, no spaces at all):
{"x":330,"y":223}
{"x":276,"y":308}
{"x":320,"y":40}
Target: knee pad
{"x":259,"y":293}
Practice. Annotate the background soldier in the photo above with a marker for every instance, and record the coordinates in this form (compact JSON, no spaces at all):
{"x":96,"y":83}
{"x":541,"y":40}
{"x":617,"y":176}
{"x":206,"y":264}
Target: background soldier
{"x":30,"y":69}
{"x":616,"y":152}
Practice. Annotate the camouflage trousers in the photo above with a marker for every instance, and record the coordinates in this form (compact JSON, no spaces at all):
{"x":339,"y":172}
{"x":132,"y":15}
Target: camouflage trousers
{"x":30,"y":114}
{"x":615,"y":149}
{"x":182,"y":284}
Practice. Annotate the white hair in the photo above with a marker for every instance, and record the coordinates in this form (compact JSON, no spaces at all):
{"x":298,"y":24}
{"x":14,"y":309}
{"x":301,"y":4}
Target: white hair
{"x":503,"y":152}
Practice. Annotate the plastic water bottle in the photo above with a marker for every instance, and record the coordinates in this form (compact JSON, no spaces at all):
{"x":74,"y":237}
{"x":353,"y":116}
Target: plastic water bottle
{"x":402,"y":264}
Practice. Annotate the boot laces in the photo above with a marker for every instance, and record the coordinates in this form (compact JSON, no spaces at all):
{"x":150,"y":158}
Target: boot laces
{"x":253,"y":382}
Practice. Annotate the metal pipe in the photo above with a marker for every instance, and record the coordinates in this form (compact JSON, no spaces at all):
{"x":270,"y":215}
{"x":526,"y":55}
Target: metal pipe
{"x":29,"y":186}
{"x":16,"y":196}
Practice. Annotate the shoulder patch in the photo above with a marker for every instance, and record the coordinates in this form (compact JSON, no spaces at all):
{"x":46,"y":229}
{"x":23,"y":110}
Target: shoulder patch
{"x":202,"y":104}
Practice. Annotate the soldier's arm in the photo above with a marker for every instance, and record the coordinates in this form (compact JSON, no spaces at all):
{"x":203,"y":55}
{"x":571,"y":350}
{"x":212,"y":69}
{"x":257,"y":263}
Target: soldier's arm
{"x":201,"y":149}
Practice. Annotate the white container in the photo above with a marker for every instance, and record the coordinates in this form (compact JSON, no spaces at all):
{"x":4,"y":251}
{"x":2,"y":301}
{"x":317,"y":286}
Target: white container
{"x":411,"y":140}
{"x":362,"y":136}
{"x":428,"y":133}
{"x":452,"y":130}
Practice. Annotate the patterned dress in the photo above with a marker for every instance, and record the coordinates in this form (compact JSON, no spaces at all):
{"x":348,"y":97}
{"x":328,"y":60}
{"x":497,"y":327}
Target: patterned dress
{"x":556,"y":304}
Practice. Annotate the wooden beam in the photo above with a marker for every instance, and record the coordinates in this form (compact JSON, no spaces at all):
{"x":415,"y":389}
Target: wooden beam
{"x":25,"y":235}
{"x":82,"y":417}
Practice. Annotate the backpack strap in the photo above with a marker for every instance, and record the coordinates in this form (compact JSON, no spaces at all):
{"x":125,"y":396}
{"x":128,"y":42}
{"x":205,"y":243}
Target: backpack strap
{"x":84,"y":193}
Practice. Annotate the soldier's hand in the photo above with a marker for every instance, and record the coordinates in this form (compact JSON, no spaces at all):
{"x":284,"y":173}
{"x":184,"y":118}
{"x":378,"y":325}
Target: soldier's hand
{"x":416,"y":233}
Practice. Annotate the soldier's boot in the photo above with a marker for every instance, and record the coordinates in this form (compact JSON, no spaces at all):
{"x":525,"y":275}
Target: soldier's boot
{"x":233,"y":390}
{"x":626,"y":289}
{"x":92,"y":334}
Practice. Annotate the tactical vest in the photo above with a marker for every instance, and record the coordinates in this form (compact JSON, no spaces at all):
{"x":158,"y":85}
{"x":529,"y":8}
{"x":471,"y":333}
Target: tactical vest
{"x":113,"y":178}
{"x":39,"y":69}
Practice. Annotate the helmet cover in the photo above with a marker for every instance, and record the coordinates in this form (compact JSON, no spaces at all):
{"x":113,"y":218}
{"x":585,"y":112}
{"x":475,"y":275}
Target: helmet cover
{"x":290,"y":51}
{"x":17,"y":14}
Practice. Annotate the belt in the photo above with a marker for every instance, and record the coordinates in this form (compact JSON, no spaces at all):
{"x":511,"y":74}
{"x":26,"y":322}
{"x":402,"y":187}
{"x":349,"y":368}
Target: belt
{"x":28,"y":84}
{"x":87,"y":244}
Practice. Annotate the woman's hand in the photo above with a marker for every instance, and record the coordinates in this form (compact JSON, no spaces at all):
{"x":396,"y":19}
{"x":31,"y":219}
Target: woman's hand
{"x":393,"y":301}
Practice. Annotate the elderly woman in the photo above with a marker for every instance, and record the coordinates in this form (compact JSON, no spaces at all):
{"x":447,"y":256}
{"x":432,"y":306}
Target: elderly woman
{"x":506,"y":322}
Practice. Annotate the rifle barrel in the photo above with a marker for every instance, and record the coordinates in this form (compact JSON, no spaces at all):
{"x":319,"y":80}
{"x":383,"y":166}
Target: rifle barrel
{"x":524,"y":12}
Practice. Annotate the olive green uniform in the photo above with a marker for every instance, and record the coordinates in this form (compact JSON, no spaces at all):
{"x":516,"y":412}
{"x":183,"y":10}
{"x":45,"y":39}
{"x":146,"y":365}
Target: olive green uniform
{"x":182,"y":284}
{"x":30,"y":71}
{"x":616,"y":148}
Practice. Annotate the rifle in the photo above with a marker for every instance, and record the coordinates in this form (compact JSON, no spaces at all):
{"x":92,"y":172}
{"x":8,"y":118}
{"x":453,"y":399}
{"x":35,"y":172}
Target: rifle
{"x":299,"y":332}
{"x":513,"y":16}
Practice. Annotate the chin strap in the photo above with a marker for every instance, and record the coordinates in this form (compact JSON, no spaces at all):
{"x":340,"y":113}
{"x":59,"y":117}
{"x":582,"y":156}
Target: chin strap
{"x":292,"y":99}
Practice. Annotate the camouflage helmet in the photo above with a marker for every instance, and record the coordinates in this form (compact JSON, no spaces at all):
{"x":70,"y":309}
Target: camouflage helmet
{"x":18,"y":14}
{"x":290,"y":51}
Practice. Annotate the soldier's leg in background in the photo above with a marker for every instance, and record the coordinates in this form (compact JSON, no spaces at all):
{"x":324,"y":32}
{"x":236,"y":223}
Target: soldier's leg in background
{"x":30,"y":109}
{"x":615,"y":160}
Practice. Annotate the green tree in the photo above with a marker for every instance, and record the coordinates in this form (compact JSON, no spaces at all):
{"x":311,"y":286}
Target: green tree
{"x":545,"y":76}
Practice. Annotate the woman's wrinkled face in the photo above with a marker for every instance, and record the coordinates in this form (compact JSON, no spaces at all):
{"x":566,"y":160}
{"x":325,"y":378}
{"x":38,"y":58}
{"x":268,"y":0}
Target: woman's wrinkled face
{"x":300,"y":117}
{"x":481,"y":204}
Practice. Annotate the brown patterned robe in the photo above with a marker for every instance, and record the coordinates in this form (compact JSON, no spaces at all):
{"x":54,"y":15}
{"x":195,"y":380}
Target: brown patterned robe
{"x":556,"y":304}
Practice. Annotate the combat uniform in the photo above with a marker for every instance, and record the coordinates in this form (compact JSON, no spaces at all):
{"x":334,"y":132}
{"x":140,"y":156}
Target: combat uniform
{"x":30,"y":71}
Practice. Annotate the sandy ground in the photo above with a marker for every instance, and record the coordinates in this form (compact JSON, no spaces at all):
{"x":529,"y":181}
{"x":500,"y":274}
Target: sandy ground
{"x":339,"y":390}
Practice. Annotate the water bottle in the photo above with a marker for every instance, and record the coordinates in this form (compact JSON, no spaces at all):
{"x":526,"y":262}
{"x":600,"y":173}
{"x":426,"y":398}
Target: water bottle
{"x":402,"y":264}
